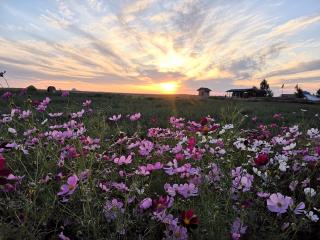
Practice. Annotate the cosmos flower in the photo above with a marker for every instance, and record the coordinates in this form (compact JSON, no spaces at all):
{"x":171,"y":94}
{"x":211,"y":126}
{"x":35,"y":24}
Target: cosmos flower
{"x":162,"y":203}
{"x":65,"y":94}
{"x":189,"y":219}
{"x":86,"y":103}
{"x":135,"y":117}
{"x":123,"y":160}
{"x":261,"y":159}
{"x":299,"y":208}
{"x":278,"y":203}
{"x":312,"y":216}
{"x":115,"y":118}
{"x":309,"y":192}
{"x":70,"y":187}
{"x":237,"y":229}
{"x":145,"y":203}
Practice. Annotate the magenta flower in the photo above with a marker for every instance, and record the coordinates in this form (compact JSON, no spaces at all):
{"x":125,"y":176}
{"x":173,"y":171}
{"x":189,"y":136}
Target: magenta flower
{"x":6,"y":95}
{"x":145,"y":147}
{"x":123,"y":160}
{"x":162,"y":203}
{"x":145,"y":203}
{"x":135,"y":117}
{"x":65,"y":94}
{"x":278,"y":203}
{"x":70,"y":187}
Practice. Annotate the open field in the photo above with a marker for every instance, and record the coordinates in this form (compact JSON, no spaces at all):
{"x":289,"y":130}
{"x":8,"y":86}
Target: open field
{"x":161,"y":107}
{"x":121,"y":166}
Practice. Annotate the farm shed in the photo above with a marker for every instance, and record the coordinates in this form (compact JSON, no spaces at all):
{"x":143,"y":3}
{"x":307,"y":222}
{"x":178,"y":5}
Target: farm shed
{"x":204,"y":92}
{"x":247,"y":93}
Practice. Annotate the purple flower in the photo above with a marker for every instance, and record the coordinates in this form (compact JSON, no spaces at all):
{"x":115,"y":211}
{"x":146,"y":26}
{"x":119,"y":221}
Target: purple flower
{"x":237,"y":229}
{"x":175,"y":232}
{"x":112,"y":209}
{"x":145,"y":203}
{"x":70,"y":187}
{"x":63,"y":237}
{"x":65,"y":94}
{"x":6,"y":95}
{"x":299,"y":208}
{"x":242,"y":180}
{"x":278,"y":203}
{"x":186,"y":190}
{"x":145,"y":147}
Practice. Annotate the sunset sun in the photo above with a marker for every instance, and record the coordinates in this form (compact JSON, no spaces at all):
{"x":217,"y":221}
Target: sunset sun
{"x":169,"y":87}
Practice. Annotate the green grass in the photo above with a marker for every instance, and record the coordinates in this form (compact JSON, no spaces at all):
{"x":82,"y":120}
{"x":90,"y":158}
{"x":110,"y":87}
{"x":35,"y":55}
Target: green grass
{"x":161,"y":107}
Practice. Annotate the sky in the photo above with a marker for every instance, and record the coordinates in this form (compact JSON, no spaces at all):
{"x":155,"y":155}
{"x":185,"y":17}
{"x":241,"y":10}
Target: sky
{"x":160,"y":46}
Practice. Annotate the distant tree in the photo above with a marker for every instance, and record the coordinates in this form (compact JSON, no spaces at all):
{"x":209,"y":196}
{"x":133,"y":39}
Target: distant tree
{"x":51,"y":89}
{"x":31,"y":89}
{"x":318,"y":92}
{"x":299,"y":92}
{"x":264,"y":85}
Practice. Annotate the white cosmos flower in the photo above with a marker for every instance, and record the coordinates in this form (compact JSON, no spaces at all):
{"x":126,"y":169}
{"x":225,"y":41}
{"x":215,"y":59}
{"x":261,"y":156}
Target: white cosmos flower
{"x":12,"y":130}
{"x":309,"y":192}
{"x":312,"y":216}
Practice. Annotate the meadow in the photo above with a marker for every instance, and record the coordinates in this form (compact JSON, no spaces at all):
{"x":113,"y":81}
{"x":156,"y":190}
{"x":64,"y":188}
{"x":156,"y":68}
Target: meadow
{"x":121,"y":166}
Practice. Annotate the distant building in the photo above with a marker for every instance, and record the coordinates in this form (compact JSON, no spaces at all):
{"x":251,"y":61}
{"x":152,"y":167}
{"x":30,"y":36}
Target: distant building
{"x":285,"y":95}
{"x":247,"y":92}
{"x":204,"y":92}
{"x":51,"y":89}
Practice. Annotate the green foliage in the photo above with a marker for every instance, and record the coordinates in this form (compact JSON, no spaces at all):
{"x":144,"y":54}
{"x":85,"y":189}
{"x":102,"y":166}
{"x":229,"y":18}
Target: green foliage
{"x":264,"y":85}
{"x":31,"y":89}
{"x":299,"y":92}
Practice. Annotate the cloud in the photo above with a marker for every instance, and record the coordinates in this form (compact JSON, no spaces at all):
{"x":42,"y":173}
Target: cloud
{"x":97,"y":5}
{"x":298,"y":68}
{"x":293,"y":26}
{"x":221,"y":44}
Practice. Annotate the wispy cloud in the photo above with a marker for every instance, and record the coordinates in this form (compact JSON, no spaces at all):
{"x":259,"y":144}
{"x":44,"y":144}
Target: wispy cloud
{"x":219,"y":44}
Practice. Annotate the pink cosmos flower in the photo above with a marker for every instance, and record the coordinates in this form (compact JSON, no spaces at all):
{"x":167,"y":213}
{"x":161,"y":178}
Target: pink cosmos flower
{"x":145,"y":147}
{"x":115,"y":118}
{"x":191,"y":143}
{"x":86,"y":103}
{"x":123,"y":160}
{"x":70,"y":187}
{"x":278,"y":203}
{"x":186,"y":190}
{"x":135,"y":117}
{"x":42,"y":106}
{"x":145,"y":203}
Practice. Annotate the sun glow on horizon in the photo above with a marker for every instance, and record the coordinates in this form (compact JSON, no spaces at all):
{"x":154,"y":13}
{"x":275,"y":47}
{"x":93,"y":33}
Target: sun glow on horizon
{"x":169,"y":87}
